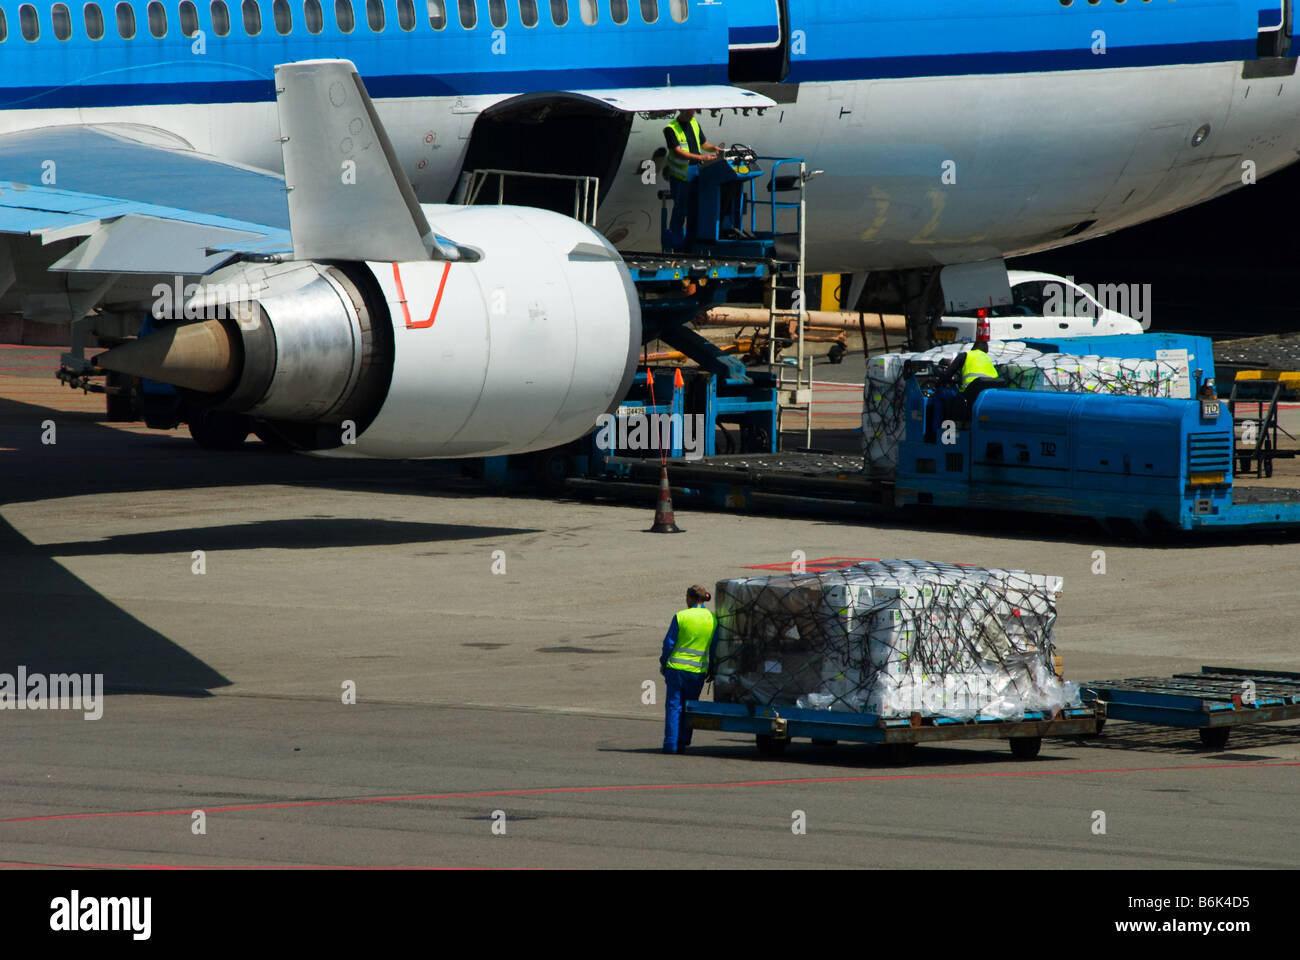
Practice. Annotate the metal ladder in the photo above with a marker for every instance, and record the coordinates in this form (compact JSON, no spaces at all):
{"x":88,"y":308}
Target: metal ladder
{"x":1263,"y":426}
{"x":793,"y":394}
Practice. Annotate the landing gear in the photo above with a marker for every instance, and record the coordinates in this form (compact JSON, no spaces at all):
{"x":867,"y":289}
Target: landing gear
{"x":214,"y":430}
{"x":120,"y":405}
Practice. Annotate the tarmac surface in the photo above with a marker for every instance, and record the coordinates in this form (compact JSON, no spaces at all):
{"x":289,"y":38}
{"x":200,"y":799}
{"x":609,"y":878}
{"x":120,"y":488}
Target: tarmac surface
{"x":522,"y":692}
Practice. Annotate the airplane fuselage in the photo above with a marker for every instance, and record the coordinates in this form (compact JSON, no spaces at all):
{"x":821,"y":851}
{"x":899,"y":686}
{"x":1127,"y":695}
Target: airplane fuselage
{"x":947,"y":132}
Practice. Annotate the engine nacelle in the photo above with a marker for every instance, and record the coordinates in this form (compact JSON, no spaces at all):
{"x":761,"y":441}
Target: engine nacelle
{"x":519,"y":350}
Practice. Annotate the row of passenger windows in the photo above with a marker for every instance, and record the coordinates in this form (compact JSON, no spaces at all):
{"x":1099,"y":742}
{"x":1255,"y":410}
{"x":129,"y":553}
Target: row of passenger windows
{"x":313,"y":16}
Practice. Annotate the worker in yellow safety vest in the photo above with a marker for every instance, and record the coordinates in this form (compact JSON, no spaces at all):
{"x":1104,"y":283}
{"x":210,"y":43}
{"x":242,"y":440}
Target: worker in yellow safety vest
{"x":977,"y":373}
{"x":687,"y":149}
{"x":686,"y":664}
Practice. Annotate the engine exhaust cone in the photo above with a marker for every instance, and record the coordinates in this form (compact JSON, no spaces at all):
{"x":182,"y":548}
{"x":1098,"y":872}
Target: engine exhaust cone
{"x":197,"y":356}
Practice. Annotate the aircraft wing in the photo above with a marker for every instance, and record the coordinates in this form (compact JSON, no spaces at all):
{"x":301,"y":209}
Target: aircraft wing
{"x":136,"y":207}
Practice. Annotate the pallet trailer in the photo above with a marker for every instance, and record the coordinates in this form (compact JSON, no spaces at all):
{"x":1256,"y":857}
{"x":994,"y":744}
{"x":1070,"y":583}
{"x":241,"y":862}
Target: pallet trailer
{"x":774,"y":726}
{"x":1211,"y":702}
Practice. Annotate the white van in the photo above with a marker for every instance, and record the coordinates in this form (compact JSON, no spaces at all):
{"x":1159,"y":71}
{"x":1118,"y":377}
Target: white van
{"x":1042,"y":305}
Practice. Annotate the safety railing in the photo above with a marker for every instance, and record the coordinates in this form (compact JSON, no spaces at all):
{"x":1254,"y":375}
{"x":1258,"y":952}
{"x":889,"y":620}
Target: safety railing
{"x":586,"y":190}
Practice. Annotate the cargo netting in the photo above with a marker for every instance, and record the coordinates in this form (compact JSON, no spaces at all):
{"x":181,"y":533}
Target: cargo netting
{"x":892,"y":638}
{"x":1024,"y":368}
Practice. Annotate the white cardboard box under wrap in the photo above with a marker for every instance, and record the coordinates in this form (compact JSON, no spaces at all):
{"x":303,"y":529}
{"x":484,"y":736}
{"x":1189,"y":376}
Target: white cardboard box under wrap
{"x":891,"y":637}
{"x":1025,"y":367}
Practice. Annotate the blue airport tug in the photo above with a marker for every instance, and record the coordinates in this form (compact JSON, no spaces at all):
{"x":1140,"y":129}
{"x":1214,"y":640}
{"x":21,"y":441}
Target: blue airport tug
{"x":1136,"y":464}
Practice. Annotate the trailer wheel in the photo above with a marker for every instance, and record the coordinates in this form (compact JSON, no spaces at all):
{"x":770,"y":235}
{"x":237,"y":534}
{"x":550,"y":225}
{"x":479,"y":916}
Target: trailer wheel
{"x":770,"y":746}
{"x":836,"y":353}
{"x":1025,"y":748}
{"x":1214,"y":737}
{"x":899,"y":754}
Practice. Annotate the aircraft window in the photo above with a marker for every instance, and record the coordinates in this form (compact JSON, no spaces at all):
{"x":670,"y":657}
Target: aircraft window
{"x":618,"y":10}
{"x":28,"y":22}
{"x":125,"y":21}
{"x":375,"y":15}
{"x":157,"y":14}
{"x":406,"y":14}
{"x":437,"y":14}
{"x":252,"y":17}
{"x":649,"y":10}
{"x":94,"y":21}
{"x":4,"y":27}
{"x":587,"y":10}
{"x":347,"y":20}
{"x":220,"y":18}
{"x":313,"y":16}
{"x":468,"y":13}
{"x":282,"y":17}
{"x":559,"y":12}
{"x":678,"y":10}
{"x":61,"y":21}
{"x":189,"y":19}
{"x":528,"y":12}
{"x":497,"y":12}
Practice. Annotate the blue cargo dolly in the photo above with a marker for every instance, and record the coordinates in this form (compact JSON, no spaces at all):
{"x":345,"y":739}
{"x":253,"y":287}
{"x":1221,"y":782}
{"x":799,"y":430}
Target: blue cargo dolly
{"x":775,"y":725}
{"x":1212,"y":701}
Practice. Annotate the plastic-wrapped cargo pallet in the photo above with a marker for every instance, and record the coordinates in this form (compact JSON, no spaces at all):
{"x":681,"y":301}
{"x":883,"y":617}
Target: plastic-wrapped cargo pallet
{"x":892,"y":637}
{"x":1025,"y":367}
{"x":882,"y":408}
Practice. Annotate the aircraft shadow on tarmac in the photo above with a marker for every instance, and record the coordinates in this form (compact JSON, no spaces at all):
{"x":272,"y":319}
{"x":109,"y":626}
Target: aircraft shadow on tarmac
{"x":53,"y":622}
{"x":95,"y":459}
{"x":295,"y":534}
{"x":92,"y":458}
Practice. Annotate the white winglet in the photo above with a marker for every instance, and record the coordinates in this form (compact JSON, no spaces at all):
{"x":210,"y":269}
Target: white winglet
{"x":348,"y":198}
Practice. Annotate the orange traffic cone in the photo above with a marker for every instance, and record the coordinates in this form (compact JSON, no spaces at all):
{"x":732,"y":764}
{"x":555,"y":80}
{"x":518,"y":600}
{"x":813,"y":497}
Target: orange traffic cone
{"x":664,"y":521}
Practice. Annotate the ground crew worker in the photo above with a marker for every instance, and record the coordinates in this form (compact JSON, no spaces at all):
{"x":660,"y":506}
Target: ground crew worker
{"x":687,"y":149}
{"x":686,"y":664}
{"x":977,"y":374}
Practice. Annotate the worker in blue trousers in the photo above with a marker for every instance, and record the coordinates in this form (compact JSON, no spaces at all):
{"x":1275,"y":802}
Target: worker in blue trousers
{"x":686,"y":665}
{"x":687,"y":149}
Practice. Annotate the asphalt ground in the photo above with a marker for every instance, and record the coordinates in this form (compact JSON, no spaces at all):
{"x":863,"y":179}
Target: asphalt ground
{"x":515,"y":699}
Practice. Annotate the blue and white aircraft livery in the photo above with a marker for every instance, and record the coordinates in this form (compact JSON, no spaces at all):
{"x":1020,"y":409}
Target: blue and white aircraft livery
{"x":302,"y":158}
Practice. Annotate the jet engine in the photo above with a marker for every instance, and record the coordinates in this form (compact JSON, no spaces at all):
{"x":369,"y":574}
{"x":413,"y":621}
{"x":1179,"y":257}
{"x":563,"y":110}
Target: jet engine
{"x":518,"y":347}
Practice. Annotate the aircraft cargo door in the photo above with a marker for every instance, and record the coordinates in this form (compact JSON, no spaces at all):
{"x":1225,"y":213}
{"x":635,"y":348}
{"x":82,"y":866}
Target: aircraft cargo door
{"x":1275,"y":26}
{"x":758,"y":40}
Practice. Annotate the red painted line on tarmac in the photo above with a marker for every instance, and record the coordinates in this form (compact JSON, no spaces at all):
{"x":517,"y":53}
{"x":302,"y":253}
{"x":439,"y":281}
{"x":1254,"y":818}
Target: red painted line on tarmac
{"x":542,"y":791}
{"x":232,"y":866}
